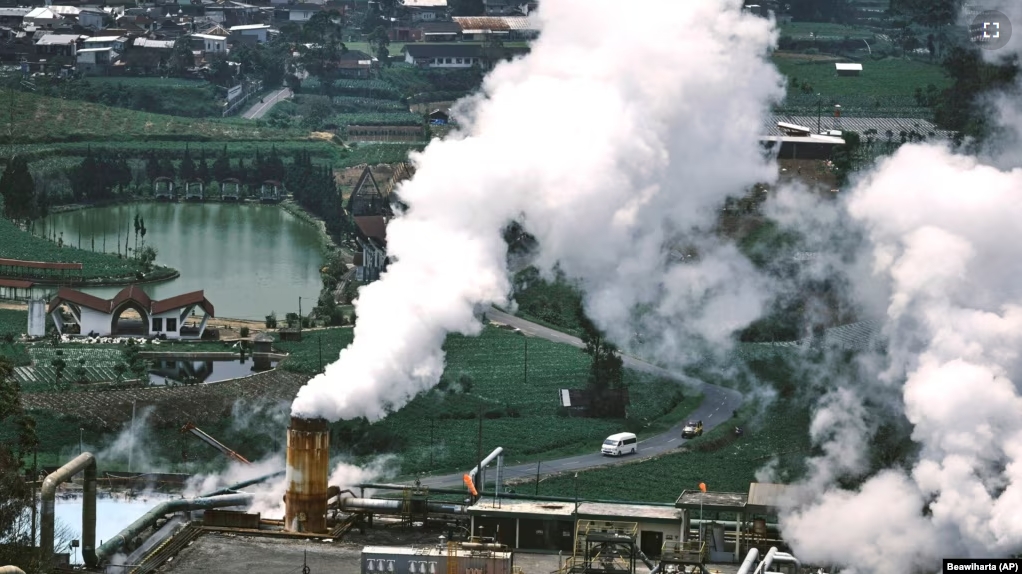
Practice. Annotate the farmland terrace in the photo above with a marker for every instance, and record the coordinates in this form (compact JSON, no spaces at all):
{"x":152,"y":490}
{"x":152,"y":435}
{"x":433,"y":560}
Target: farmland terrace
{"x":199,"y":403}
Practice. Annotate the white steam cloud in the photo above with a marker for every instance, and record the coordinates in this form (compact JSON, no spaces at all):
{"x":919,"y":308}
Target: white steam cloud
{"x":940,"y":227}
{"x":615,"y":142}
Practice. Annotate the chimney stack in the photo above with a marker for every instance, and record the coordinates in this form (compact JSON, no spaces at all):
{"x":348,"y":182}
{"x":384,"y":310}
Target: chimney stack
{"x":308,"y":464}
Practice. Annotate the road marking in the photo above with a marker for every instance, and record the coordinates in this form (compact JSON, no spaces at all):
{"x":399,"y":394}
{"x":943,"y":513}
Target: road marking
{"x":673,"y":439}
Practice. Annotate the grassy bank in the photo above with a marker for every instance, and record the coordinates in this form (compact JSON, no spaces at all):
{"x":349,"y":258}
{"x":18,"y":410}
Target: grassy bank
{"x":16,"y":243}
{"x":39,"y":119}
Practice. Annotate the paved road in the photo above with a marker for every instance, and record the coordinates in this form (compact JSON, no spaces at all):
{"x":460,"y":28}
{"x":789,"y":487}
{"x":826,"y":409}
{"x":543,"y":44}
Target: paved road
{"x":717,"y":407}
{"x":259,"y":109}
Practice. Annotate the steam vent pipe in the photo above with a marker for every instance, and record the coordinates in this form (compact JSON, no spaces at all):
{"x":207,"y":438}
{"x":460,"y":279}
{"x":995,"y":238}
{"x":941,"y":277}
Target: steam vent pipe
{"x":86,"y":462}
{"x":308,"y":463}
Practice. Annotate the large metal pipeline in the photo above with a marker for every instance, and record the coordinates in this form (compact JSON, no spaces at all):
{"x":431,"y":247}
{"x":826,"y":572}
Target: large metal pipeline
{"x":496,"y":452}
{"x":86,"y":462}
{"x":750,"y":561}
{"x":235,"y":487}
{"x":386,"y":506}
{"x":112,"y":546}
{"x":768,"y":561}
{"x":11,"y":570}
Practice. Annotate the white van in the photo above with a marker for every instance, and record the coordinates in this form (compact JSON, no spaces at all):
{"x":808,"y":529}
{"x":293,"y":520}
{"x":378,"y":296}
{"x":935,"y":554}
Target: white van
{"x":619,"y":444}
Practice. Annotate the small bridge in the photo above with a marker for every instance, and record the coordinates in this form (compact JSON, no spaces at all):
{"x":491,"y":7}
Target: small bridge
{"x":163,"y":189}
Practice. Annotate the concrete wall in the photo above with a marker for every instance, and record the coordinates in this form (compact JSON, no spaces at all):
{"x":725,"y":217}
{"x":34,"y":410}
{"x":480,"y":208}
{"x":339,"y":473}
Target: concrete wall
{"x":36,"y":318}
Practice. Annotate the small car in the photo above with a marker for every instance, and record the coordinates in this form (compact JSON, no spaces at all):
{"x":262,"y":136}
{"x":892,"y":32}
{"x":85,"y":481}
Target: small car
{"x":692,"y":429}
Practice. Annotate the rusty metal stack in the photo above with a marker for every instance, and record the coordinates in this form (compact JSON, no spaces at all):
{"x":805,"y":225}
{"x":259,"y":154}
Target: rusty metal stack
{"x":308,"y":464}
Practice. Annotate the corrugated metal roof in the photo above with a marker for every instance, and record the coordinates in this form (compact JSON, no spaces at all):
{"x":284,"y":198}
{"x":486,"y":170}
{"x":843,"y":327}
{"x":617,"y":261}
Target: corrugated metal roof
{"x":495,"y":23}
{"x":860,"y":125}
{"x":160,"y":44}
{"x":424,"y":3}
{"x":57,"y":40}
{"x":849,"y":67}
{"x":88,"y":50}
{"x":767,"y":497}
{"x":97,"y":39}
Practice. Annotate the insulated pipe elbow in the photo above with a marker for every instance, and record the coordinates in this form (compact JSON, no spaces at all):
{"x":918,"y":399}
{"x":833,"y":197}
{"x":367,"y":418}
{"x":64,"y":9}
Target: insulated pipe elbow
{"x":11,"y":570}
{"x":87,"y":462}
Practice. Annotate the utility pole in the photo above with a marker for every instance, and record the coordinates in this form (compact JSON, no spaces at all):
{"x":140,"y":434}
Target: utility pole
{"x":526,"y":360}
{"x":320,"y":353}
{"x":431,"y":419}
{"x":479,"y":452}
{"x":537,"y":476}
{"x":299,"y":314}
{"x":80,"y":432}
{"x":131,"y":449}
{"x":35,"y":477}
{"x":819,"y":111}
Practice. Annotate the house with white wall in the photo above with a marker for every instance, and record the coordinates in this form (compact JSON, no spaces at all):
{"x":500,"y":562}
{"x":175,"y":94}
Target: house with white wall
{"x":301,"y":13}
{"x":257,"y":31}
{"x":211,"y":44}
{"x":78,"y":313}
{"x":430,"y":55}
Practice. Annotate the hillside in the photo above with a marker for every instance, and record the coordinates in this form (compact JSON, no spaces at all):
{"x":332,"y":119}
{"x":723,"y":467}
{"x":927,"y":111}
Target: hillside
{"x":39,"y":119}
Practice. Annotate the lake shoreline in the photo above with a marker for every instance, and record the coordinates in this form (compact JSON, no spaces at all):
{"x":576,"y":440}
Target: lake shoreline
{"x":247,"y":258}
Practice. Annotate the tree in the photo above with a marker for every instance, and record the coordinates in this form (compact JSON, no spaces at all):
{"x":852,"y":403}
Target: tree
{"x":18,"y":190}
{"x":606,"y":371}
{"x":202,"y":168}
{"x":146,"y":256}
{"x":221,"y":166}
{"x":378,"y":41}
{"x":15,"y":495}
{"x":181,"y":57}
{"x":187,"y":166}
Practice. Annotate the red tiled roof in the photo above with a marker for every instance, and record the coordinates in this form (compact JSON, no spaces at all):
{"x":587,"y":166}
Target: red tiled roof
{"x":40,"y":264}
{"x":15,"y":283}
{"x":80,"y":299}
{"x":132,"y":294}
{"x":373,"y":226}
{"x":182,"y":301}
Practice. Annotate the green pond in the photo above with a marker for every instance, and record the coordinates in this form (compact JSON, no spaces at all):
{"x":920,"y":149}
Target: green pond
{"x":250,"y":259}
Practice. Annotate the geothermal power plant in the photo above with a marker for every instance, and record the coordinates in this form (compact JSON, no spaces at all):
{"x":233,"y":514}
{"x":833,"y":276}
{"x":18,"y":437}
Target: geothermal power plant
{"x":477,"y":527}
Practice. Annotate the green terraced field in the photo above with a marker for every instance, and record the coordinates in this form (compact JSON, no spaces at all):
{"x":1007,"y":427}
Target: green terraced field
{"x":526,"y":420}
{"x":892,"y":77}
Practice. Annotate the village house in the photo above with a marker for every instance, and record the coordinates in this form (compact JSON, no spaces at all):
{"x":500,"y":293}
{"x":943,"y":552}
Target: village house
{"x":371,"y":234}
{"x":47,"y":17}
{"x":354,"y":64}
{"x":430,"y":55}
{"x":440,"y":31}
{"x":425,"y":10}
{"x":508,"y":7}
{"x":506,"y":28}
{"x":49,"y":46}
{"x":95,"y":61}
{"x":13,"y":17}
{"x":92,"y":18}
{"x":210,"y":44}
{"x":301,"y":13}
{"x":258,"y":31}
{"x":117,"y":43}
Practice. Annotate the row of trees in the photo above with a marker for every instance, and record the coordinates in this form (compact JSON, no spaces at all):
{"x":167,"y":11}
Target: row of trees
{"x":315,"y":189}
{"x":98,"y":176}
{"x":21,"y":202}
{"x":15,"y":494}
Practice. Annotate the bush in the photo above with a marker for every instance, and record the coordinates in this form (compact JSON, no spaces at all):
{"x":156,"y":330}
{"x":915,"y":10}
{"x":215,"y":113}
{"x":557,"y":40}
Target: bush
{"x":271,"y":320}
{"x":244,"y":332}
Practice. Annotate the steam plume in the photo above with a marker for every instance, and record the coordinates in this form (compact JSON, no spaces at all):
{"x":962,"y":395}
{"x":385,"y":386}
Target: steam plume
{"x":615,"y":141}
{"x":937,"y":225}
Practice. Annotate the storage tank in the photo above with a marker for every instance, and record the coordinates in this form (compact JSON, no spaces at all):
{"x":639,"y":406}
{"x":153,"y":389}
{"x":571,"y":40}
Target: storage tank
{"x":308,"y":464}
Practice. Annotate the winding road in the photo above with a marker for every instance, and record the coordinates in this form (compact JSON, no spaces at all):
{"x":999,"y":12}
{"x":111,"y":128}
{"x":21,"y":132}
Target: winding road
{"x":719,"y":403}
{"x":260,"y":108}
